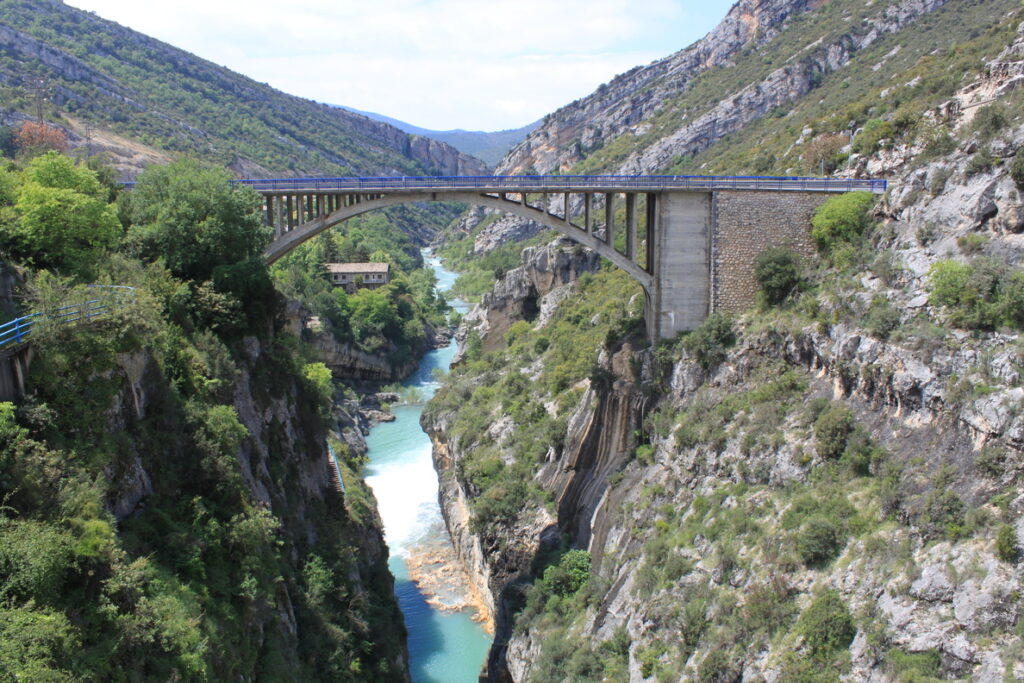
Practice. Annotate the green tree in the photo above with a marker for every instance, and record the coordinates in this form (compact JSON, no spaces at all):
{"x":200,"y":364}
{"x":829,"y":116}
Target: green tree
{"x":709,"y":341}
{"x":63,"y":218}
{"x":570,"y":574}
{"x":191,"y":216}
{"x":1017,"y":170}
{"x":777,"y":270}
{"x":826,"y":625}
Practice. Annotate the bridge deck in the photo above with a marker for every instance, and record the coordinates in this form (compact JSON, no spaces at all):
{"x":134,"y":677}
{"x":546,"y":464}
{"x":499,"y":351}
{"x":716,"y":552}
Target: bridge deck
{"x":554,"y":184}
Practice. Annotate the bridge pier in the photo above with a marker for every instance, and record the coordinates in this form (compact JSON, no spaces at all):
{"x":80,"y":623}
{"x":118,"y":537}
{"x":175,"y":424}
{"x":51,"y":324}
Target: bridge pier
{"x":678,"y":252}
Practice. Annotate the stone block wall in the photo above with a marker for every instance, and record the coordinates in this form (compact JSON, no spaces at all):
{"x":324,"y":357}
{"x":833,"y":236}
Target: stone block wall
{"x":747,"y":223}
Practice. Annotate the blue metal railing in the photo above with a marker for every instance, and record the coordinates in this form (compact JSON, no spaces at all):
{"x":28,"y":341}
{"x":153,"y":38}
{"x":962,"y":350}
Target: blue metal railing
{"x":561,"y":183}
{"x":337,"y":467}
{"x":16,"y":331}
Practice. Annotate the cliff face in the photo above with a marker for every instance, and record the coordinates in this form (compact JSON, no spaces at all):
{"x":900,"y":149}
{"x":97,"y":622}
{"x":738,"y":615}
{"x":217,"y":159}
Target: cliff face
{"x":627,"y":105}
{"x":284,"y":468}
{"x":630,"y":98}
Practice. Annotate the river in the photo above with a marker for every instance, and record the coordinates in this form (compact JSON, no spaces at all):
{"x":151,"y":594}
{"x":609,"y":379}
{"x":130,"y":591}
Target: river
{"x":445,"y":644}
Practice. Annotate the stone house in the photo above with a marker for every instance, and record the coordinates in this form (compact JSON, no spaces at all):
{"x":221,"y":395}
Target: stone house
{"x":353,"y":276}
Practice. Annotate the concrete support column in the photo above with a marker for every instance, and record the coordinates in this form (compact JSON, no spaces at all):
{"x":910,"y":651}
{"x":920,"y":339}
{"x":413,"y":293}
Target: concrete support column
{"x":682,"y":267}
{"x":587,"y":219}
{"x":630,"y":225}
{"x":609,"y":218}
{"x":652,"y":219}
{"x":566,"y":214}
{"x":291,"y":215}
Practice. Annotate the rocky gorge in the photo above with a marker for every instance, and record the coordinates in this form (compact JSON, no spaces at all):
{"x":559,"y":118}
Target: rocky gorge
{"x":827,"y":490}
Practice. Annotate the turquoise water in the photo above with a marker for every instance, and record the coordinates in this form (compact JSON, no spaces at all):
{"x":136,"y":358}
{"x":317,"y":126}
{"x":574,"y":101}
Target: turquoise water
{"x":444,"y":646}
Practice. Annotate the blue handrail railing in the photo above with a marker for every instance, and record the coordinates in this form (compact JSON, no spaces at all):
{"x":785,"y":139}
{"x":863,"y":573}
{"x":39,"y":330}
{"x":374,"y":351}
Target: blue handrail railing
{"x":337,"y":467}
{"x":16,"y":331}
{"x":567,"y":182}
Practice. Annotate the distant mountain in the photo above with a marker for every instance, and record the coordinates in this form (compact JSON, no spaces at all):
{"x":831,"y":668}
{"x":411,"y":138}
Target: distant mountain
{"x":104,"y":81}
{"x":488,"y":147}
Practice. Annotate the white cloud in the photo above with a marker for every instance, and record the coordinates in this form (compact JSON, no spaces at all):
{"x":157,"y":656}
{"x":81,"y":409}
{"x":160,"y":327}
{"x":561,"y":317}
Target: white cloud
{"x":434,"y":63}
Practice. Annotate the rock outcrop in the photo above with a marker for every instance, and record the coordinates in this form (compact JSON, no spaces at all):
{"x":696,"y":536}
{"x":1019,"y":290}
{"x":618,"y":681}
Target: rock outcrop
{"x":528,"y":292}
{"x":626,"y":104}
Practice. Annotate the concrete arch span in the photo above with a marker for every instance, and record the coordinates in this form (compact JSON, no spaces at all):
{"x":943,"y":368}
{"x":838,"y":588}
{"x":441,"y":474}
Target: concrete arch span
{"x":287,"y":240}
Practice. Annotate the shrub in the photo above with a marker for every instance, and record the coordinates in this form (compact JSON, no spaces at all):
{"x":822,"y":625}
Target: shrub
{"x":990,"y":121}
{"x":320,"y":379}
{"x":948,"y":280}
{"x":710,"y":340}
{"x":881,"y":317}
{"x":768,"y":606}
{"x":831,"y":431}
{"x":841,"y":220}
{"x":939,"y":144}
{"x":826,"y":625}
{"x":972,"y":243}
{"x":870,"y":140}
{"x":981,"y":162}
{"x":566,"y":578}
{"x":1007,"y":549}
{"x":36,"y":137}
{"x":717,"y":667}
{"x":778,"y":272}
{"x":823,"y":153}
{"x":942,"y":513}
{"x":980,"y":295}
{"x":919,"y":666}
{"x":1017,"y":169}
{"x":819,"y":541}
{"x":991,"y":461}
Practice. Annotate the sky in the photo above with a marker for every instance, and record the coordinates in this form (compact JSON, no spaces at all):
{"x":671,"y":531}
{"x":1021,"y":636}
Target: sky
{"x":439,"y":64}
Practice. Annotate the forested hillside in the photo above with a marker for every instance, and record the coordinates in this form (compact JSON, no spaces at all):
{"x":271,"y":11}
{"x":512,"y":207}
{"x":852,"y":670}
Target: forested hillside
{"x":99,"y":78}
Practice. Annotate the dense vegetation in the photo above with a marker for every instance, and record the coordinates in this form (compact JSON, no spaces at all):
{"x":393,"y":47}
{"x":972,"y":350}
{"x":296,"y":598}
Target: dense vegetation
{"x":396,"y":320}
{"x":138,"y":538}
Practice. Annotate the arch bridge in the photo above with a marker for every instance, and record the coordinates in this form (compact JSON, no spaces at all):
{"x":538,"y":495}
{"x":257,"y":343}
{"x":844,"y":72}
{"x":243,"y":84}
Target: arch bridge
{"x":660,"y":229}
